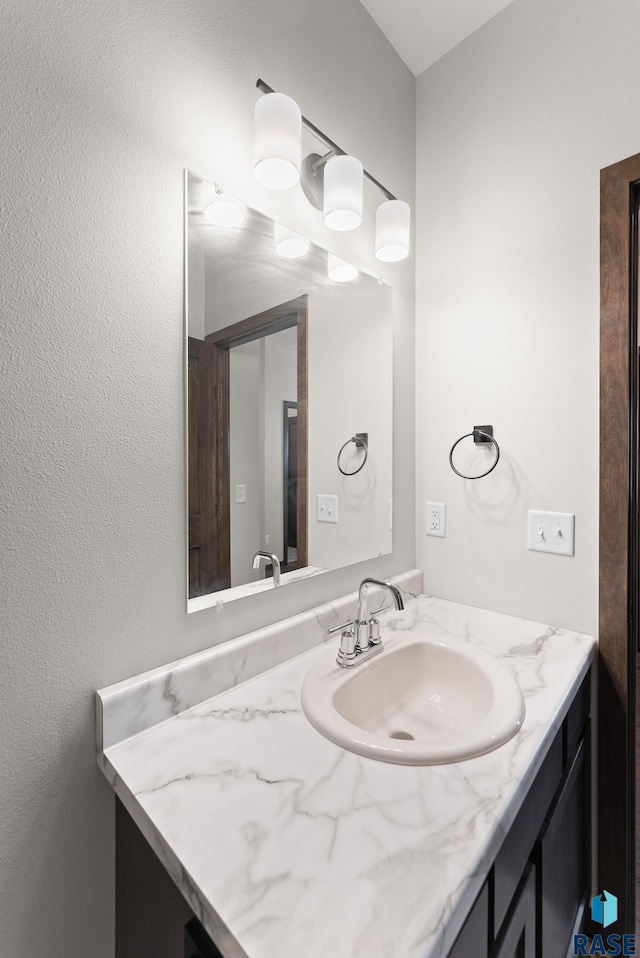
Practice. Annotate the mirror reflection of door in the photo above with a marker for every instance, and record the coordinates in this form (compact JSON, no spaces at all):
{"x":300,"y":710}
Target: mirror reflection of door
{"x":290,"y":484}
{"x":239,"y":378}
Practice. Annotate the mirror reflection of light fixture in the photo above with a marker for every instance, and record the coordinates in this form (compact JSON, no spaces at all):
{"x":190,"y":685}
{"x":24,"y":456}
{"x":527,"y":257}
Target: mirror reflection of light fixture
{"x":225,"y":212}
{"x":343,"y":176}
{"x":290,"y":244}
{"x":392,"y":230}
{"x":277,"y":134}
{"x":339,"y":270}
{"x":331,"y":182}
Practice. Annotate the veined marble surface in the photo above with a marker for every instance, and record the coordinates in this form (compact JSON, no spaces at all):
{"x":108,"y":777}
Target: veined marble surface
{"x":250,"y":588}
{"x":135,"y":705}
{"x":286,"y":846}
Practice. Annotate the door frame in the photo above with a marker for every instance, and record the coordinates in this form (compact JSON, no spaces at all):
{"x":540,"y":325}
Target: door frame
{"x":618,"y":561}
{"x":286,"y":406}
{"x":284,"y":316}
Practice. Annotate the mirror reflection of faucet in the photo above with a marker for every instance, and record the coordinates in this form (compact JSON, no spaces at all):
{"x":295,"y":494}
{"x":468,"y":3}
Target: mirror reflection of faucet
{"x":273,"y":559}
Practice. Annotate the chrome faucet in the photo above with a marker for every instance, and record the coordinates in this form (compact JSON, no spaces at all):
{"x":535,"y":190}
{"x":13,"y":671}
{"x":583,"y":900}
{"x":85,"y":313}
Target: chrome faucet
{"x":360,"y":639}
{"x":274,"y":560}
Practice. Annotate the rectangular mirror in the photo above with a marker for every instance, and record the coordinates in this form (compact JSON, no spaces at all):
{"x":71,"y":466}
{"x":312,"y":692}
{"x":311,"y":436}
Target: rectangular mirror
{"x":289,"y":406}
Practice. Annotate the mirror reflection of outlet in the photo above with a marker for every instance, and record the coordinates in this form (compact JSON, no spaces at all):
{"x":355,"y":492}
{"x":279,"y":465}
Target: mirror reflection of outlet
{"x":436,"y":519}
{"x":327,"y":509}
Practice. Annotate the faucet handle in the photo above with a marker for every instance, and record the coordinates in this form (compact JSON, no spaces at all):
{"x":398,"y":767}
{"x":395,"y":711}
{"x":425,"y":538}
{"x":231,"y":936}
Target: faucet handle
{"x":340,"y":628}
{"x":347,"y":651}
{"x":374,"y":630}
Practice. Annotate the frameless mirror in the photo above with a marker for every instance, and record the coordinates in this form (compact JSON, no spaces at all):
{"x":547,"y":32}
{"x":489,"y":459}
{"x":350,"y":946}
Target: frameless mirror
{"x":289,"y":405}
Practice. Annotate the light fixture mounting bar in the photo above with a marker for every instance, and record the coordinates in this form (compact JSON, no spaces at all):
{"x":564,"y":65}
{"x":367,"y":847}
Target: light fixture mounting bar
{"x":333,"y":147}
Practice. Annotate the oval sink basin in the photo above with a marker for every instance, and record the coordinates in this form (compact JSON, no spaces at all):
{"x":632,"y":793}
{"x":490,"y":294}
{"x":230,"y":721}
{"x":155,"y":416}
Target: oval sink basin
{"x":421,"y":701}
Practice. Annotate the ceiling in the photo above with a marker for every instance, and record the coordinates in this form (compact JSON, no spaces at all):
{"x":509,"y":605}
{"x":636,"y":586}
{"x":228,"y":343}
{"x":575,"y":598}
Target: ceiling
{"x":422,"y":31}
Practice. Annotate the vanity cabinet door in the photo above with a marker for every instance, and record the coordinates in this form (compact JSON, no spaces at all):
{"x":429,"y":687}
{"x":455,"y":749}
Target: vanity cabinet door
{"x":516,"y":849}
{"x":562,"y":857}
{"x":473,"y":940}
{"x":197,"y":943}
{"x":518,"y":936}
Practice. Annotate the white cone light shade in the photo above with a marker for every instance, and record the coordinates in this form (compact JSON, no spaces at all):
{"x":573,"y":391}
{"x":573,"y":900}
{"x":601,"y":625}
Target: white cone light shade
{"x":393,"y":220}
{"x":339,"y":270}
{"x":290,"y":244}
{"x":225,"y":213}
{"x":343,"y":178}
{"x":277,"y":136}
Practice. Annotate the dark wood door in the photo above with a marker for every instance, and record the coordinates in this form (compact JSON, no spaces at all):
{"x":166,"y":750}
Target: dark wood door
{"x":208,"y":546}
{"x":619,"y":510}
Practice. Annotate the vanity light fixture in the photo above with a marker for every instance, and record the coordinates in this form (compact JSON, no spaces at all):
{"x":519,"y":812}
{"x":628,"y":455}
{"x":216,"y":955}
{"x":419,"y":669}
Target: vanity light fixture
{"x":290,"y":244}
{"x":277,"y":135}
{"x":392,"y":230}
{"x":343,"y":182}
{"x":225,"y":211}
{"x":339,"y":270}
{"x":331,"y":183}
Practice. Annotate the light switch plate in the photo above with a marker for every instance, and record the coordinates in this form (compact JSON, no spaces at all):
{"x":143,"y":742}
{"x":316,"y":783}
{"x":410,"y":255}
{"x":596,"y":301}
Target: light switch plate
{"x":327,"y":508}
{"x":241,"y":493}
{"x":551,"y":532}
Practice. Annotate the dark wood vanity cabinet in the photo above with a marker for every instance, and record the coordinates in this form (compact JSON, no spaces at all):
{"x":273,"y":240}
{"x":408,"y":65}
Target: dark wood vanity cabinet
{"x":517,"y":937}
{"x":197,"y":943}
{"x":527,"y":908}
{"x":535,"y":893}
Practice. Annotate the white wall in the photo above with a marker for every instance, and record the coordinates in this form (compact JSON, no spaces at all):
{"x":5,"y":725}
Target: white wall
{"x":280,"y":385}
{"x":355,"y":345}
{"x":513,"y":128}
{"x":102,"y":108}
{"x":245,"y":397}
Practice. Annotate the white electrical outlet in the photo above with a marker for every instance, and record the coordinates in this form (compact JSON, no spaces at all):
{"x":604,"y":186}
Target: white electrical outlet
{"x":437,"y":519}
{"x":327,"y":508}
{"x":551,"y":532}
{"x":241,"y":493}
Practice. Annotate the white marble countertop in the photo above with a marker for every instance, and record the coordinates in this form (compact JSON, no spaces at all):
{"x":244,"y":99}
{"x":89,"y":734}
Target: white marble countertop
{"x":286,"y":846}
{"x":249,"y":589}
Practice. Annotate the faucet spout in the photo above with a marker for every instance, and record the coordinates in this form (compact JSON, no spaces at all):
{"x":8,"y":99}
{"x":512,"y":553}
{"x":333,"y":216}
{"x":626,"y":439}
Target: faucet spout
{"x":275,"y":562}
{"x":361,"y":623}
{"x":360,"y":643}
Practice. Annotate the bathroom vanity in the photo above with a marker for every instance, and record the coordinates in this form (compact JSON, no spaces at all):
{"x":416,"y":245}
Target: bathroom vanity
{"x":244,"y":832}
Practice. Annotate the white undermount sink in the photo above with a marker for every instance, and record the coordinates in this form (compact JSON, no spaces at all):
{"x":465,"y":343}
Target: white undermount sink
{"x":421,"y":701}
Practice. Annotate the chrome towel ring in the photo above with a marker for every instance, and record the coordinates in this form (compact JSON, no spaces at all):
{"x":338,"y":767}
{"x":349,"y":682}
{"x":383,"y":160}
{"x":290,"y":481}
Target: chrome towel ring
{"x":481,"y":434}
{"x":361,"y":440}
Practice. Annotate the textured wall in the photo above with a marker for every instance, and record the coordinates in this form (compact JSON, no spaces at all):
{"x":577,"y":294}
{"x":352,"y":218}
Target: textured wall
{"x":513,"y":128}
{"x":102,"y":108}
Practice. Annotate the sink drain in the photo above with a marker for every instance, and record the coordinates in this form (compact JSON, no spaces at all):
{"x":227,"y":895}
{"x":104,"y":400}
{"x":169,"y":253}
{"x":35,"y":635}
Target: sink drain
{"x":407,"y":736}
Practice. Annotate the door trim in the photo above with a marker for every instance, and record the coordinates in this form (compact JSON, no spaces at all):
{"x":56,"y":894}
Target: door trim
{"x":284,"y":316}
{"x":616,"y":722}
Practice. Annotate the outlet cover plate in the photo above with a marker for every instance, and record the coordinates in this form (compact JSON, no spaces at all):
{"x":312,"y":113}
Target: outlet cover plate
{"x":551,"y":532}
{"x":437,"y":519}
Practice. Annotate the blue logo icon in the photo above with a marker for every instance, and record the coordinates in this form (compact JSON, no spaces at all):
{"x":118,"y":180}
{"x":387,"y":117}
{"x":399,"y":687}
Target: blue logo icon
{"x":604,"y":909}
